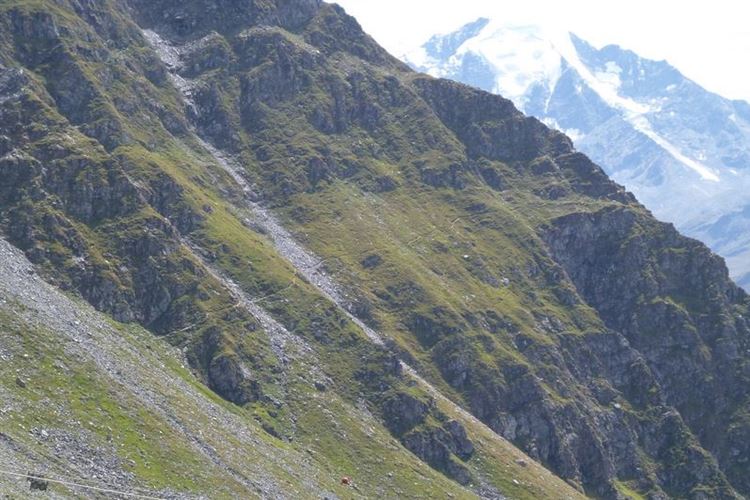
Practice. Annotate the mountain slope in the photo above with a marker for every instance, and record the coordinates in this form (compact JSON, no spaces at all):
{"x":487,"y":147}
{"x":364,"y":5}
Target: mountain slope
{"x":682,"y":150}
{"x":262,"y":186}
{"x":113,"y":226}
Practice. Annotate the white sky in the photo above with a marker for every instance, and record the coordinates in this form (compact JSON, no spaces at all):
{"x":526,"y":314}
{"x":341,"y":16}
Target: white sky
{"x":708,"y":41}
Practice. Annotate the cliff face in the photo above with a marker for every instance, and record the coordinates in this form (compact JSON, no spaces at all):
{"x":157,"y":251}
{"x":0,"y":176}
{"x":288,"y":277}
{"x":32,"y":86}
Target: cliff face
{"x":261,"y":185}
{"x":672,"y":299}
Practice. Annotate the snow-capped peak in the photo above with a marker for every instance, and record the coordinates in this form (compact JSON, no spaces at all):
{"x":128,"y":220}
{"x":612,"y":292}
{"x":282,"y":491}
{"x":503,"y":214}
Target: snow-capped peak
{"x":520,"y":57}
{"x":683,"y":151}
{"x":607,"y":86}
{"x":526,"y":63}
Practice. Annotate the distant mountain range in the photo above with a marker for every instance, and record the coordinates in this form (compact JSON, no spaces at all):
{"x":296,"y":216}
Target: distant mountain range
{"x":683,"y":151}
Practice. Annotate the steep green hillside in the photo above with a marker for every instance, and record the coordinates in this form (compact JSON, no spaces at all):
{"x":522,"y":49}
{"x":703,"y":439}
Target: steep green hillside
{"x":90,"y":401}
{"x":365,"y":271}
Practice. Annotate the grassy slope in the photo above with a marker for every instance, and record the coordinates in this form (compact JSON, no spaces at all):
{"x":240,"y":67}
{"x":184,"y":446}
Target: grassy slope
{"x":67,"y":390}
{"x":141,"y":435}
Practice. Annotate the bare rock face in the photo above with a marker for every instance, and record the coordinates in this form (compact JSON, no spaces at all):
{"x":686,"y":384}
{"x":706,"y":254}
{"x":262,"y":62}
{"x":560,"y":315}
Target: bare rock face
{"x":652,"y":284}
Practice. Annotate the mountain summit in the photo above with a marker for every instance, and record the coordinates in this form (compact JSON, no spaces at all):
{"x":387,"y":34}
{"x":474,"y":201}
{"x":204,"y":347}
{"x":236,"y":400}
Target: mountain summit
{"x":245,"y":252}
{"x":683,"y":151}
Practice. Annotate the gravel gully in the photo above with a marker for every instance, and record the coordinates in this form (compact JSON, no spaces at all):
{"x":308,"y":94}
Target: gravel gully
{"x":305,"y":262}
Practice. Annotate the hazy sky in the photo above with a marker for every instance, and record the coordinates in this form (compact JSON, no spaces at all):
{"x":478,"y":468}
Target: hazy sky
{"x":708,"y":41}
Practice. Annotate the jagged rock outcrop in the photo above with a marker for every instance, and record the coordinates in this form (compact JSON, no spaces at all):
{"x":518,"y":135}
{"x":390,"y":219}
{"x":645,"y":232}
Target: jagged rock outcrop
{"x":443,"y":447}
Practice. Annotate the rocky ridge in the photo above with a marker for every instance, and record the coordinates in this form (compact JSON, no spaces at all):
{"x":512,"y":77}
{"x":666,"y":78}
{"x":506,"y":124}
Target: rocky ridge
{"x":681,"y":149}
